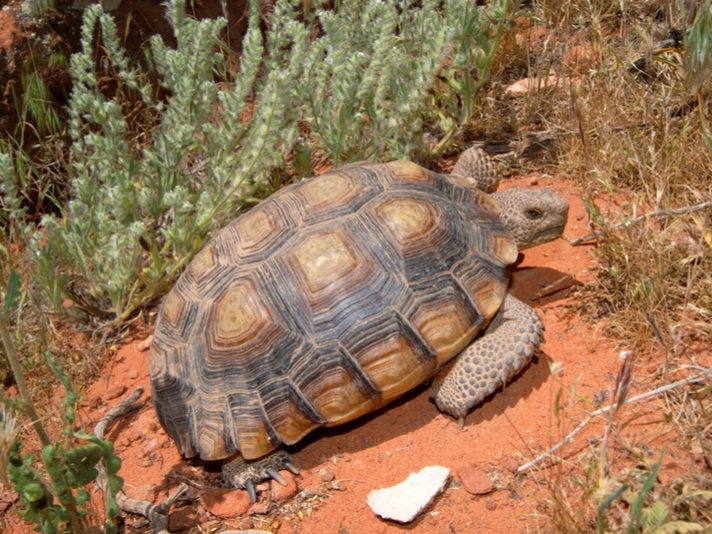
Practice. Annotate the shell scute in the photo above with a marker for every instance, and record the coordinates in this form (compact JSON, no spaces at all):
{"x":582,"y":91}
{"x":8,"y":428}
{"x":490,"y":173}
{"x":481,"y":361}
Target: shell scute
{"x":425,"y":237}
{"x":485,"y":284}
{"x":335,"y":194}
{"x":407,"y":173}
{"x":246,"y":332}
{"x":336,"y":275}
{"x":247,"y":426}
{"x":444,"y":315}
{"x":333,"y":383}
{"x":291,"y":414}
{"x":257,"y":234}
{"x":391,"y":353}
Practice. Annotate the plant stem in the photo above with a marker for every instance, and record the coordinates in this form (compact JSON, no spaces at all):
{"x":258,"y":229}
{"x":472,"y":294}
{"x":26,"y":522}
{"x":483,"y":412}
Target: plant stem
{"x":29,"y":407}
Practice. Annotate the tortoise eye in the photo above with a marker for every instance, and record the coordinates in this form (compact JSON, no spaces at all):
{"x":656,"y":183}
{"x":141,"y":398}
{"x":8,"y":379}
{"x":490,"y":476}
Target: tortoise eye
{"x":534,"y":213}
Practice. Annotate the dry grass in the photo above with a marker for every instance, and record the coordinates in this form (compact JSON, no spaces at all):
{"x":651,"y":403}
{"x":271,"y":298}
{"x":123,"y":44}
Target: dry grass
{"x":635,"y":143}
{"x":35,"y":329}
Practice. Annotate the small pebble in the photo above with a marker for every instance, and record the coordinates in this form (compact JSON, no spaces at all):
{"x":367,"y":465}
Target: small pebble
{"x":475,"y":480}
{"x":183,"y":518}
{"x":328,"y":476}
{"x":145,"y":344}
{"x":282,"y":494}
{"x":510,"y":464}
{"x":490,"y":505}
{"x":115,"y":392}
{"x":226,"y":503}
{"x":132,"y":374}
{"x":405,"y":501}
{"x":258,"y":508}
{"x":246,"y":524}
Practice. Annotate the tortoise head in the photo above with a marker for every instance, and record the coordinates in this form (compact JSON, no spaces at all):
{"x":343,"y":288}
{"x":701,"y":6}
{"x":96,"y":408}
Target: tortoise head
{"x":532,"y":216}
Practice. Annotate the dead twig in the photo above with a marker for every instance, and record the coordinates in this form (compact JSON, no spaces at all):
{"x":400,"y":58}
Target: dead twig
{"x":186,"y":480}
{"x":570,"y":435}
{"x":156,"y":514}
{"x":620,"y":393}
{"x":125,"y":407}
{"x":564,"y":282}
{"x":657,"y":213}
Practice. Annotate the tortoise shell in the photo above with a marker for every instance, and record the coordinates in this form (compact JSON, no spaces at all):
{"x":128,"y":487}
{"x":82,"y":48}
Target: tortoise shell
{"x":326,"y":301}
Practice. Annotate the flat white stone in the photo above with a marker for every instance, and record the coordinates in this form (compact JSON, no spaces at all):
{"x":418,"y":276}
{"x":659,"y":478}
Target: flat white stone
{"x":406,"y":500}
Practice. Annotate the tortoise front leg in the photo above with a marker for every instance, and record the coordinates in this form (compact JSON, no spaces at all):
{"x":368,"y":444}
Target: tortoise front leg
{"x":238,"y":473}
{"x":506,"y":346}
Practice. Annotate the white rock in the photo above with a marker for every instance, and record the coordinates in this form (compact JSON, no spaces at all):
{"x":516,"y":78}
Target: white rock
{"x":406,"y":500}
{"x":524,"y":85}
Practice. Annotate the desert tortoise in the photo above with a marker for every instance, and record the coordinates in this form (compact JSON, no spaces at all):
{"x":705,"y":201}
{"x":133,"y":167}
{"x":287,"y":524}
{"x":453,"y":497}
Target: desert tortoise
{"x":340,"y":293}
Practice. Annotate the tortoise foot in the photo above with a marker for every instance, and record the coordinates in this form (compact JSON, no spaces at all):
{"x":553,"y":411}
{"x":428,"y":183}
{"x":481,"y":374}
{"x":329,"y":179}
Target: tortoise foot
{"x":509,"y":343}
{"x":238,"y":473}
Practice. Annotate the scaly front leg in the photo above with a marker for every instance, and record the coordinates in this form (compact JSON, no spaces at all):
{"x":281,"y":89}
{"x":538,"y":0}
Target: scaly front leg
{"x":506,"y":346}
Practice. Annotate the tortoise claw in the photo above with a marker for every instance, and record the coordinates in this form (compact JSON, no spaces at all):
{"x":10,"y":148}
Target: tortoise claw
{"x":252,"y":492}
{"x":293,"y":468}
{"x":271,"y":471}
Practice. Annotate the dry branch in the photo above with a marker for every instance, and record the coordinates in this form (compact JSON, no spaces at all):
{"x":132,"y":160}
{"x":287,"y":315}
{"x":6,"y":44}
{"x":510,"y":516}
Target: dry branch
{"x":156,"y":514}
{"x":657,"y":213}
{"x":583,"y":423}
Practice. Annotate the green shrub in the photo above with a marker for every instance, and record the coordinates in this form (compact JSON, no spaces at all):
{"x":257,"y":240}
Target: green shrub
{"x":53,"y":488}
{"x":360,"y":82}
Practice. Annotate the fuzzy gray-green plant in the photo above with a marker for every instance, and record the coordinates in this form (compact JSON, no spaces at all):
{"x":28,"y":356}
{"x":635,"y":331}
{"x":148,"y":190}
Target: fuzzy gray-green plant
{"x":361,"y":81}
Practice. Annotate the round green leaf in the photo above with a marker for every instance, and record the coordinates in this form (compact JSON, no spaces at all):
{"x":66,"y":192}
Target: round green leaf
{"x":33,"y":492}
{"x":113,"y":464}
{"x":82,"y":496}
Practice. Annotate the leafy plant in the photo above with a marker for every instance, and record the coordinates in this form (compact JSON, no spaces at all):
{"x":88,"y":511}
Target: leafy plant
{"x":53,"y":489}
{"x":698,"y":58}
{"x":360,"y":81}
{"x":698,"y":45}
{"x":38,"y":104}
{"x":653,"y":519}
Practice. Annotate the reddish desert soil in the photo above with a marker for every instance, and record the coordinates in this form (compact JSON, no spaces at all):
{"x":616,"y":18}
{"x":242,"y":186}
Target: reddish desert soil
{"x":341,"y":465}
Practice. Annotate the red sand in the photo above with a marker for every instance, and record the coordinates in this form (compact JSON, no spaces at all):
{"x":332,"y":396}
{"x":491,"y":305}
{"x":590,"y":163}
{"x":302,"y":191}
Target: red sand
{"x":383,"y":448}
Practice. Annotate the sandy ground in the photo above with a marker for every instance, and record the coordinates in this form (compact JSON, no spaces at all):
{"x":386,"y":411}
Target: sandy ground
{"x":383,"y":448}
{"x":341,"y":465}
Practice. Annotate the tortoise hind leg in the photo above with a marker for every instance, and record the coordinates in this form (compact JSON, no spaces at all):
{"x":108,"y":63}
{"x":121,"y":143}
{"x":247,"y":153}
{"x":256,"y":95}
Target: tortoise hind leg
{"x":238,"y":473}
{"x":506,"y":346}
